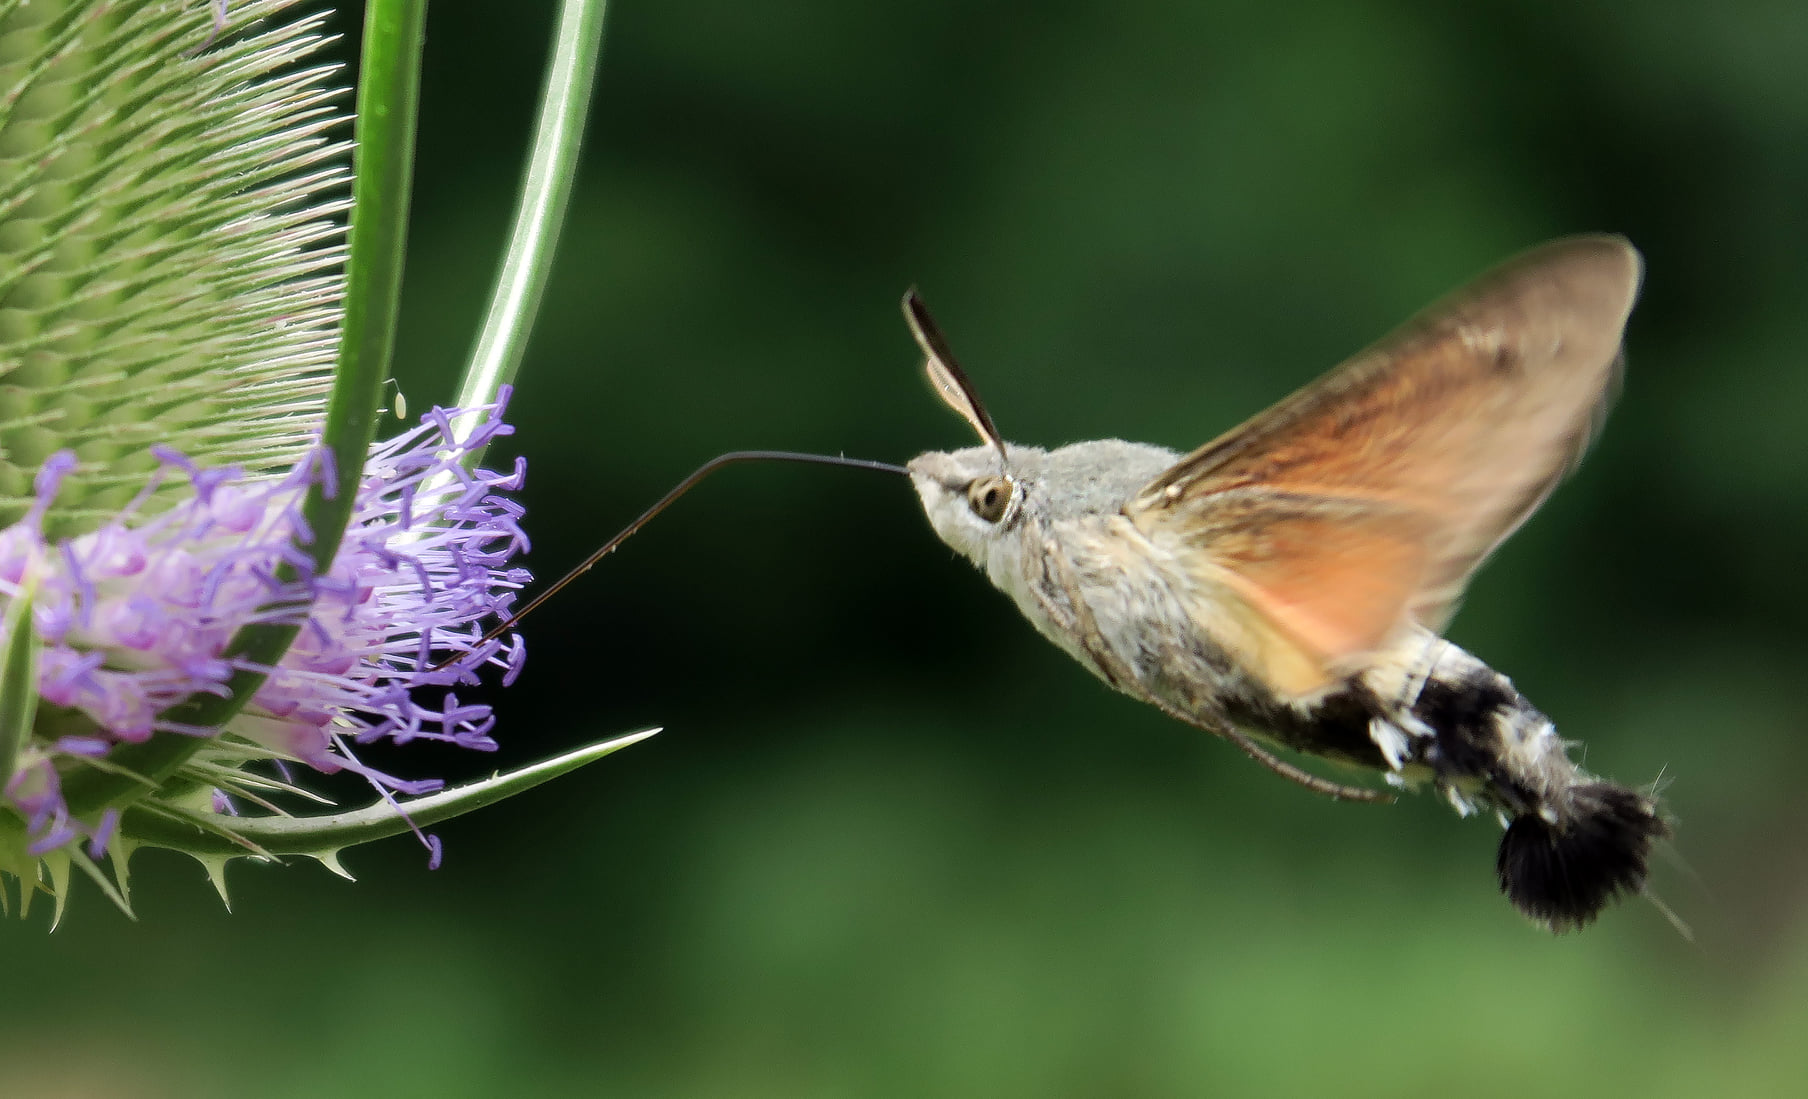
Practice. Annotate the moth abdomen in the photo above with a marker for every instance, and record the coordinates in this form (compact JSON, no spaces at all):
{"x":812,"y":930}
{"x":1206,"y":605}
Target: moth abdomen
{"x":1563,"y":872}
{"x":1574,"y":843}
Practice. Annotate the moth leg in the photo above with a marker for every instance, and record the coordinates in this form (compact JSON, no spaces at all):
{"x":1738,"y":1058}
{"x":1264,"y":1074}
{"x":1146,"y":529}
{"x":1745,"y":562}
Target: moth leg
{"x":1337,"y":791}
{"x":1078,"y":618}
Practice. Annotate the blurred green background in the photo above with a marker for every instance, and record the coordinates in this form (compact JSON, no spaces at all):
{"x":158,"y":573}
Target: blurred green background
{"x":894,"y":844}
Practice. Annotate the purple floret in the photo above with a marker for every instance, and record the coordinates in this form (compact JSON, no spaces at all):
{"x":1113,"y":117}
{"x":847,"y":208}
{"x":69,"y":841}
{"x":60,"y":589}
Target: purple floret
{"x":134,"y":617}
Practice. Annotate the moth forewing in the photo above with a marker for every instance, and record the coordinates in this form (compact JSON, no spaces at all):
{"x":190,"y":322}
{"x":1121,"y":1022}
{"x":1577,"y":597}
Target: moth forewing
{"x":1563,"y":306}
{"x":1435,"y":443}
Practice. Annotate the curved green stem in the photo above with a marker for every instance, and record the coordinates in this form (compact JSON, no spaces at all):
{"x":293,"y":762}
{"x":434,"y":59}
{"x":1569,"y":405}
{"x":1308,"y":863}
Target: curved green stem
{"x":545,"y":193}
{"x":18,"y":678}
{"x":389,"y":92}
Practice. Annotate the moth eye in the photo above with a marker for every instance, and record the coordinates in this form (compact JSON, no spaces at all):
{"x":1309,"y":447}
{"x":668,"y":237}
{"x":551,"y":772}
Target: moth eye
{"x":988,"y":497}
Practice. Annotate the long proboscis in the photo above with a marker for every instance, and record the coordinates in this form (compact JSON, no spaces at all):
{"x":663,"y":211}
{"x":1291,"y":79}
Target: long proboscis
{"x":733,"y":457}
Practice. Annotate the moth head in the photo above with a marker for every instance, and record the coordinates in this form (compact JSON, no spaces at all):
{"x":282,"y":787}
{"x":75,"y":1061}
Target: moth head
{"x":969,"y":501}
{"x":970,"y":495}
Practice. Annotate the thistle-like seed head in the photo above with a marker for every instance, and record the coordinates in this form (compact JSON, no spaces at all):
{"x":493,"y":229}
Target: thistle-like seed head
{"x":170,"y":244}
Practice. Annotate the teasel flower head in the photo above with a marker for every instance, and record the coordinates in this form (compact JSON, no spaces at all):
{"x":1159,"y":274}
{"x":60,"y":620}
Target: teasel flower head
{"x":137,"y":616}
{"x":171,"y":240}
{"x":173,"y":194}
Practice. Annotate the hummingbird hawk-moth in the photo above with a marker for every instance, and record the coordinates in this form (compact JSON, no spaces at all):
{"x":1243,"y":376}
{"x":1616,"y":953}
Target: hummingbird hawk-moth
{"x":1285,"y":585}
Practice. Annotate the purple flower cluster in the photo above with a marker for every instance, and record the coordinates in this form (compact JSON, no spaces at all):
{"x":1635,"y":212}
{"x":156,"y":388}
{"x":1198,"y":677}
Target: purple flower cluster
{"x":135,"y":616}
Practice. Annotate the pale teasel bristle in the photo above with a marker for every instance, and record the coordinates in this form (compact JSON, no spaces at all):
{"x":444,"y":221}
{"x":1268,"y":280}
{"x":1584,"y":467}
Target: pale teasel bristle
{"x":171,"y":241}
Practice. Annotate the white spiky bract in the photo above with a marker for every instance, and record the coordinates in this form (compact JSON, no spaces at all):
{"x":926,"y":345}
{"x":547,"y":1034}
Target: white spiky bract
{"x":170,"y":243}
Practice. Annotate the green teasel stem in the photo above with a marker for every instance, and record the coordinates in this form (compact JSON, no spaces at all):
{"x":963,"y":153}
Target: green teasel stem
{"x":545,"y":194}
{"x":389,"y":92}
{"x":18,"y":678}
{"x":383,"y":169}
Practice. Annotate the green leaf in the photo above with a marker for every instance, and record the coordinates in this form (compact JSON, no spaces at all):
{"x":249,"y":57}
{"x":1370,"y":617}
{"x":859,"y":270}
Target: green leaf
{"x":545,"y":194}
{"x":214,"y":839}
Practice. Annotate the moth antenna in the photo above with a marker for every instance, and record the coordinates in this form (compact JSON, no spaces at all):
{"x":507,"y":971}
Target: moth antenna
{"x":720,"y":461}
{"x":950,"y":382}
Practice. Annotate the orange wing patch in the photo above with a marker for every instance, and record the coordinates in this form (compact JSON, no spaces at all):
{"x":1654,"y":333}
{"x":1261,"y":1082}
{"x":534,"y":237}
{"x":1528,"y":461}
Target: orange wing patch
{"x":1270,"y":562}
{"x":1283,"y":569}
{"x":1365,"y":501}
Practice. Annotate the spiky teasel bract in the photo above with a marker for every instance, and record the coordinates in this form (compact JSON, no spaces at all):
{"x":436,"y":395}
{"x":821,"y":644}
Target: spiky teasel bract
{"x":170,"y":317}
{"x":129,"y":620}
{"x":170,"y":243}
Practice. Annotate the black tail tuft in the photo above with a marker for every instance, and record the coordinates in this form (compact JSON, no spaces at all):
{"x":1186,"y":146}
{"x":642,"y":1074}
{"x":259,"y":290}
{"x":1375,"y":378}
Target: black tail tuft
{"x":1563,"y":874}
